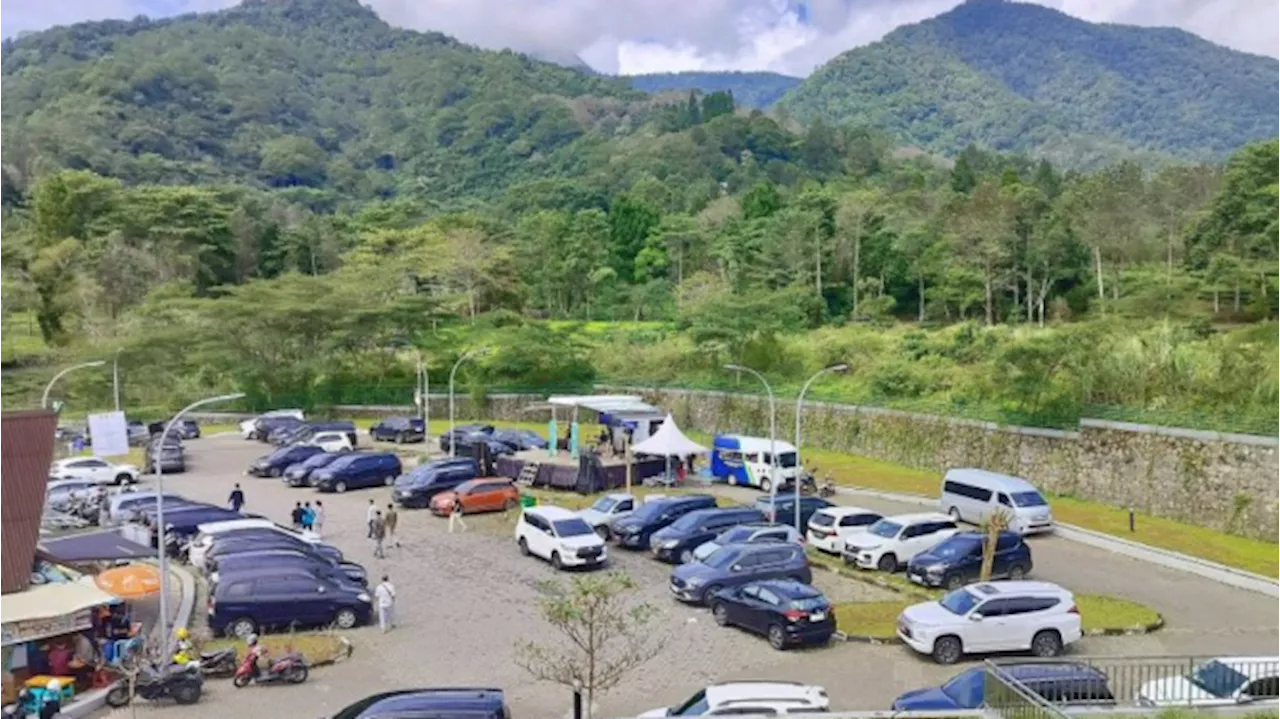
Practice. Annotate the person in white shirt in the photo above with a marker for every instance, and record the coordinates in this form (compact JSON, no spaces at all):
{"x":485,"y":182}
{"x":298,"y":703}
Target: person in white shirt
{"x":317,"y":526}
{"x":385,"y":593}
{"x":369,"y":514}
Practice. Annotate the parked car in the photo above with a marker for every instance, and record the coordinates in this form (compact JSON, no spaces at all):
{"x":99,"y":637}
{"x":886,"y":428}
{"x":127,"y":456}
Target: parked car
{"x":560,"y":537}
{"x":274,"y":464}
{"x":605,"y":510}
{"x":249,"y":428}
{"x":172,"y":457}
{"x":320,"y":566}
{"x":957,"y":561}
{"x":676,"y":542}
{"x":298,"y":474}
{"x":399,"y":430}
{"x":265,"y":426}
{"x":69,"y":435}
{"x":520,"y":440}
{"x":330,"y":441}
{"x":781,"y":508}
{"x":246,"y":527}
{"x":787,"y":612}
{"x":120,"y":507}
{"x":251,"y":602}
{"x":478,"y":495}
{"x":634,"y":530}
{"x":61,"y":494}
{"x":736,"y":564}
{"x":357,"y":470}
{"x":417,"y":487}
{"x":471,"y":703}
{"x":993,"y":617}
{"x":137,"y":433}
{"x":186,"y":428}
{"x":758,"y":698}
{"x":747,"y":533}
{"x":972,"y":495}
{"x":94,"y":470}
{"x":1224,"y":681}
{"x":830,"y":526}
{"x":464,"y":436}
{"x":184,"y":522}
{"x":1069,"y":683}
{"x":891,"y":542}
{"x":253,"y":541}
{"x":304,"y":432}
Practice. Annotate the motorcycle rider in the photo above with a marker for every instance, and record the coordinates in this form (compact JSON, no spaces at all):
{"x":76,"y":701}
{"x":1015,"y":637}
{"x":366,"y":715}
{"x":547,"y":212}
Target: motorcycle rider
{"x":51,"y":704}
{"x":186,"y":651}
{"x":257,"y":655}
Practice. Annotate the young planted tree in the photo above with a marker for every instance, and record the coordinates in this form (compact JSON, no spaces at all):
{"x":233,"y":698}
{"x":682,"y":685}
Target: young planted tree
{"x":996,"y":522}
{"x":605,"y":634}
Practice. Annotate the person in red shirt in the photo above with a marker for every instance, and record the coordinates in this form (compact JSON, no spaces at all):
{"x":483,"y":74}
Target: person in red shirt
{"x":60,"y":659}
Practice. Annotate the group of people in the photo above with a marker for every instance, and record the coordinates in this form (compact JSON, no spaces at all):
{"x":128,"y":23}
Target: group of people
{"x":309,"y":518}
{"x":381,"y":527}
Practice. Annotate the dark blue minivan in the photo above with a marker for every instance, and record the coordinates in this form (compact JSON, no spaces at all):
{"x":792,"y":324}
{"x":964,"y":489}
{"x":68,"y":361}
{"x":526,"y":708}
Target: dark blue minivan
{"x":299,"y":473}
{"x":357,"y":470}
{"x":471,"y":703}
{"x":1072,"y":683}
{"x":253,"y":540}
{"x":274,"y":464}
{"x":417,"y":487}
{"x":275,"y":598}
{"x":957,"y":560}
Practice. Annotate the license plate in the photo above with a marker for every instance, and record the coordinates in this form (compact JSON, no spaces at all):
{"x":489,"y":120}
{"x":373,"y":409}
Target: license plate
{"x":817,"y":616}
{"x":916,"y":578}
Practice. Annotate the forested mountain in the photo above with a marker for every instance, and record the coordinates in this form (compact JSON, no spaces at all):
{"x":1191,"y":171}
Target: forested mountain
{"x":1022,"y":77}
{"x":756,"y":90}
{"x":294,"y":93}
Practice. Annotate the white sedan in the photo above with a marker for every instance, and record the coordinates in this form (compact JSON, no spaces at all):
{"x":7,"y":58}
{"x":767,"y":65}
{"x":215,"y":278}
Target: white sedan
{"x":94,"y":470}
{"x":331,"y":441}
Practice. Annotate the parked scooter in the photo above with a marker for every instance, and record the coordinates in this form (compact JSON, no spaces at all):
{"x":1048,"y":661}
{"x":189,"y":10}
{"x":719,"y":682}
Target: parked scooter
{"x":219,"y":663}
{"x":184,"y":684}
{"x":288,"y":669}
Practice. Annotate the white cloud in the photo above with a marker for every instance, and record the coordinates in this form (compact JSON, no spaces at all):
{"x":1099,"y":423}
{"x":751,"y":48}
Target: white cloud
{"x":632,"y":36}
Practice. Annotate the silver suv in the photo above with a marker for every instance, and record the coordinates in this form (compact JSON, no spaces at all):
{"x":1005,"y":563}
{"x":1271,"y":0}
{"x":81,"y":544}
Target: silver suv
{"x":749,"y":533}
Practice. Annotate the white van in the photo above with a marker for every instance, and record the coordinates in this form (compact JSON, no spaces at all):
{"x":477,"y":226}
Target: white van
{"x":971,"y":495}
{"x":207,"y":532}
{"x":745,"y":461}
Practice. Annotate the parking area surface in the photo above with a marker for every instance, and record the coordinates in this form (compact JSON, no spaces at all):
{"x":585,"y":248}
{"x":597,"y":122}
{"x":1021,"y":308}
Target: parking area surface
{"x":465,"y":599}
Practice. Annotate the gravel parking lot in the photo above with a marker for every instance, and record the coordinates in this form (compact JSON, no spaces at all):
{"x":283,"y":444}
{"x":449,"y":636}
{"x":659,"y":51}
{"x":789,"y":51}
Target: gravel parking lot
{"x":465,"y":598}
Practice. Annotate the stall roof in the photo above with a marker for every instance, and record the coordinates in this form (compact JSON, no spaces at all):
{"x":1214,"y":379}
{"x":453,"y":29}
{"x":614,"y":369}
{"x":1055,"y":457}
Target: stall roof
{"x":104,"y":545}
{"x":45,"y":601}
{"x":669,"y":441}
{"x":603,"y":402}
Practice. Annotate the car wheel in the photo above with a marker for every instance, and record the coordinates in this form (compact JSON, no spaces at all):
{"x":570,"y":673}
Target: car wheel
{"x":721,"y":614}
{"x":765,"y":485}
{"x":242,"y":627}
{"x":955,"y":513}
{"x":604,"y":532}
{"x":390,"y":480}
{"x":777,"y":637}
{"x":888,"y":563}
{"x":686,"y":556}
{"x":275,"y":472}
{"x":345,"y":618}
{"x":555,"y":560}
{"x":1046,"y":644}
{"x":709,"y":594}
{"x":123,"y":478}
{"x":954,"y":581}
{"x":524,"y":546}
{"x":947,"y":650}
{"x":340,"y":487}
{"x":1017,"y":572}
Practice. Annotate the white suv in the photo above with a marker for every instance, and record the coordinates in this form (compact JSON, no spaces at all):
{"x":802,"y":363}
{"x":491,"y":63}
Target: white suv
{"x":560,"y":537}
{"x":748,"y":698}
{"x":993,"y":617}
{"x":93,"y":469}
{"x":1225,"y":681}
{"x":331,"y":441}
{"x":891,"y":542}
{"x":830,"y":526}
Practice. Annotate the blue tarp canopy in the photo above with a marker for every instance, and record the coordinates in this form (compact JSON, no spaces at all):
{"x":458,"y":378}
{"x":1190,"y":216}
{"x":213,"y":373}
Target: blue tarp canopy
{"x":94,"y":546}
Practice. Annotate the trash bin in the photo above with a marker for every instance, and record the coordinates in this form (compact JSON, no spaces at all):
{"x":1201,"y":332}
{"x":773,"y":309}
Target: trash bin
{"x":528,"y":500}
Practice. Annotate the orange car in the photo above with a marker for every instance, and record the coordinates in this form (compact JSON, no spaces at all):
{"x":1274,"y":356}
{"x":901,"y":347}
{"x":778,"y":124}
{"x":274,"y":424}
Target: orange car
{"x":478,"y":495}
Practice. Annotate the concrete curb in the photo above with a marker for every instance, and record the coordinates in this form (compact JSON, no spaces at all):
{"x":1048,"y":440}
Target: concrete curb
{"x":1212,"y":571}
{"x":864,"y":639}
{"x":1127,"y":631}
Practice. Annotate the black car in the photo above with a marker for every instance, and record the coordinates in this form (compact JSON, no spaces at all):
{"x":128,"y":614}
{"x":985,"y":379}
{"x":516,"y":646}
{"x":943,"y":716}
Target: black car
{"x":465,"y":436}
{"x":399,"y":430}
{"x":299,"y":473}
{"x":334,"y":570}
{"x":301,"y":433}
{"x":241,"y":542}
{"x":445,"y":703}
{"x":184,"y":429}
{"x":634,"y":530}
{"x":957,"y":560}
{"x":416,"y":488}
{"x":520,"y":440}
{"x":264,"y":426}
{"x":249,"y":602}
{"x":274,"y":464}
{"x":781,"y":508}
{"x":786,"y":611}
{"x":1070,"y":683}
{"x":677,"y":542}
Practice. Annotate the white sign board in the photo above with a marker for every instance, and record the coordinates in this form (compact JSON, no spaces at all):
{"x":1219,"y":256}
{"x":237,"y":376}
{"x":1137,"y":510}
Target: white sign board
{"x":109,"y":433}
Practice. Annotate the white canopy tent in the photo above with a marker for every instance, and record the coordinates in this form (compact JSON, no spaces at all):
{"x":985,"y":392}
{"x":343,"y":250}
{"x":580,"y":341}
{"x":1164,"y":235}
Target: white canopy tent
{"x":669,"y":441}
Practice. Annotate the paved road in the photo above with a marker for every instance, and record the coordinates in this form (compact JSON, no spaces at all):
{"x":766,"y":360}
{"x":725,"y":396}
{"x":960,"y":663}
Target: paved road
{"x":467,"y":598}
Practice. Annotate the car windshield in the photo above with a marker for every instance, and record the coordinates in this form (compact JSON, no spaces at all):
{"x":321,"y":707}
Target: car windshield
{"x":885,"y":528}
{"x":572,"y":528}
{"x":959,"y":602}
{"x":722,"y":558}
{"x":604,"y":504}
{"x":965,"y":689}
{"x":955,"y":548}
{"x":704,"y":550}
{"x":787,"y":460}
{"x":687,"y":523}
{"x":1218,"y":679}
{"x":695,"y":707}
{"x":1028,"y":499}
{"x":810,"y":603}
{"x":649,"y":510}
{"x":318,"y":460}
{"x":822,"y":519}
{"x":735,"y":534}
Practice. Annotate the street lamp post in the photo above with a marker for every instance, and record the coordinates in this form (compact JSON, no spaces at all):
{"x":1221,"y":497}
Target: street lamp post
{"x":161,"y":530}
{"x":453,"y":444}
{"x":773,"y":432}
{"x":799,"y":411}
{"x":44,"y":399}
{"x":115,"y":377}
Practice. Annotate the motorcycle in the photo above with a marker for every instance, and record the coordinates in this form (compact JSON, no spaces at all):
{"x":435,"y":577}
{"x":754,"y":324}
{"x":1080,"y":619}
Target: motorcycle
{"x":288,"y":669}
{"x":218,"y":663}
{"x":808,"y":485}
{"x":828,"y":488}
{"x":184,"y":684}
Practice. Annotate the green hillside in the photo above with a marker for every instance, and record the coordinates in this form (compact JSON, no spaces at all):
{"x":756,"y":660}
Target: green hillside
{"x":1022,"y":77}
{"x":303,"y":93}
{"x":757,"y":90}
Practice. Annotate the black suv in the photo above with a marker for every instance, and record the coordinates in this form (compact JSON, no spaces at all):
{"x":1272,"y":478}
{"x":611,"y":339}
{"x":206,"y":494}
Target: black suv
{"x":416,"y":488}
{"x":446,"y":702}
{"x":677,"y":542}
{"x":399,"y":430}
{"x":634,"y":530}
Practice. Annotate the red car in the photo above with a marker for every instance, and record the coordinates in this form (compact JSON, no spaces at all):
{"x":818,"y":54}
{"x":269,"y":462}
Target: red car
{"x":478,"y":495}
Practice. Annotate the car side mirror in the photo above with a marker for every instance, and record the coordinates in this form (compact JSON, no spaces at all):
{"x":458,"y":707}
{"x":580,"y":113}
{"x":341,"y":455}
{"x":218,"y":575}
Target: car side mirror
{"x":975,"y":617}
{"x":736,"y":568}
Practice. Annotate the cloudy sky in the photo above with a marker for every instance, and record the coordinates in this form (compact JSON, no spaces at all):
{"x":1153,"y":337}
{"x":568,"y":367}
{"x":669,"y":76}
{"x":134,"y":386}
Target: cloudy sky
{"x":638,"y":36}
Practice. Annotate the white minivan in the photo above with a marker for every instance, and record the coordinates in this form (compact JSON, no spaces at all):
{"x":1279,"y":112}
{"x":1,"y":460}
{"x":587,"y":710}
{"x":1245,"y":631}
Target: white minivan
{"x":971,"y":495}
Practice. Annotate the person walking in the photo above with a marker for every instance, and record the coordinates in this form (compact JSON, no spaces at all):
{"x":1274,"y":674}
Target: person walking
{"x":369,"y":514}
{"x":385,"y":593}
{"x":317,"y":524}
{"x":379,"y":535}
{"x":296,"y":515}
{"x":389,"y":518}
{"x":455,"y":515}
{"x":308,"y":516}
{"x":236,"y":500}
